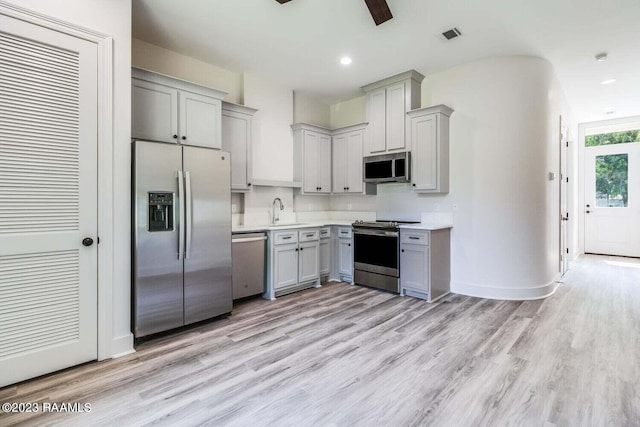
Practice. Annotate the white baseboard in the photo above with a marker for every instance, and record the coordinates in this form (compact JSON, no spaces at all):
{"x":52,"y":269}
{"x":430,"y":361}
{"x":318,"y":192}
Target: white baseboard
{"x":121,"y":346}
{"x":516,"y":294}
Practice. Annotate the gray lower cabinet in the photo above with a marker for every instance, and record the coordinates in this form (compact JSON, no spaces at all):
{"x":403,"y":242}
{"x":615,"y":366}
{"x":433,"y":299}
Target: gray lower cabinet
{"x":344,"y":254}
{"x":425,"y":263}
{"x":325,"y":253}
{"x":293,"y":260}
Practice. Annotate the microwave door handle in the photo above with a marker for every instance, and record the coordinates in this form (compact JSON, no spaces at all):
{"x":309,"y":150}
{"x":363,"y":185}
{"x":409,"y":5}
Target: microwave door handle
{"x":393,"y":168}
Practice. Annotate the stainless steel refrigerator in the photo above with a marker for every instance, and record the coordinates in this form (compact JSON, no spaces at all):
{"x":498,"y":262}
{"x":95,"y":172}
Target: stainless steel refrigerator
{"x":181,"y":236}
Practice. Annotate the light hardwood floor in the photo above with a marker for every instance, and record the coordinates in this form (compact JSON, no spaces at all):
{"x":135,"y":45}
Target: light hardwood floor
{"x":346,"y":355}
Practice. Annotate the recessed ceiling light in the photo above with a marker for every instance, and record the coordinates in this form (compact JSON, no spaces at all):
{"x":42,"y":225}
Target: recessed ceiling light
{"x":346,"y":60}
{"x":601,"y":57}
{"x":608,"y":81}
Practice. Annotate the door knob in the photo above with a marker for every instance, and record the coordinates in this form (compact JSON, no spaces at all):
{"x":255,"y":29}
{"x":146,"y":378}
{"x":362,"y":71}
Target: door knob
{"x":184,"y":137}
{"x":588,"y":211}
{"x":87,"y":241}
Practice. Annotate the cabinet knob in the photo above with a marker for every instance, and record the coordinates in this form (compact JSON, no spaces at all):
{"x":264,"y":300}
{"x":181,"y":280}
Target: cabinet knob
{"x":296,"y":249}
{"x":175,"y":136}
{"x":301,"y":248}
{"x":248,"y":184}
{"x":347,"y":188}
{"x":184,"y":137}
{"x":349,"y":244}
{"x":401,"y":250}
{"x":413,"y":185}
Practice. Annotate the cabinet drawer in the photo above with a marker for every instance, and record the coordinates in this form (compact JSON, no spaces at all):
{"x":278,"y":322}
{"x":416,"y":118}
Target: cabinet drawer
{"x":325,"y":232}
{"x":308,"y":235}
{"x":416,"y":237}
{"x":285,"y":237}
{"x":345,"y":232}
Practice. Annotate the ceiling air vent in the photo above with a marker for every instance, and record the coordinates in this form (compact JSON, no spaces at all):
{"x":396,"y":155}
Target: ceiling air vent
{"x":451,"y":34}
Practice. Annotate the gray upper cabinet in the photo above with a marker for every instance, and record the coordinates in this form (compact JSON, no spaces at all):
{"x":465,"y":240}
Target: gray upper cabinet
{"x":166,"y":109}
{"x":347,"y":145}
{"x":312,"y":158}
{"x":236,"y":139}
{"x":388,"y":102}
{"x":154,"y":111}
{"x":429,"y":130}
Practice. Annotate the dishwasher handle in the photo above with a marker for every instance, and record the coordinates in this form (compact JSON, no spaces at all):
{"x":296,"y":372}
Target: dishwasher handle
{"x":248,"y":239}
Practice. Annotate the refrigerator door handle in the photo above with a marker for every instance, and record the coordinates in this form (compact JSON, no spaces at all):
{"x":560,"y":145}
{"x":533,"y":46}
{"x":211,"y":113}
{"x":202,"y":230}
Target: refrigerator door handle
{"x":189,"y":213}
{"x":181,"y":224}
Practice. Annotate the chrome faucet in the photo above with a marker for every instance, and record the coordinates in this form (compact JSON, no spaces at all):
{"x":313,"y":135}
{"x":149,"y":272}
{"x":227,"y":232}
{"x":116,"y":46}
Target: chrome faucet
{"x":275,"y":217}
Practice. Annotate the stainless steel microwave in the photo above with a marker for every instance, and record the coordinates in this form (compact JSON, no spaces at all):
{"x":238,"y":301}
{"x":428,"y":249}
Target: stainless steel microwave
{"x":394,"y":167}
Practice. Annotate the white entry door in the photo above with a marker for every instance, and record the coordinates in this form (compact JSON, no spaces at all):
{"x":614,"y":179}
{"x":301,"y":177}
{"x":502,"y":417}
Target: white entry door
{"x":48,"y":200}
{"x":612,"y":199}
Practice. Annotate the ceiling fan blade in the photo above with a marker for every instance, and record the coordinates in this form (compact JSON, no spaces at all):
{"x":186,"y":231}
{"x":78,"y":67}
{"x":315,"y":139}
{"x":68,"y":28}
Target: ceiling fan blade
{"x":283,"y":1}
{"x":379,"y":10}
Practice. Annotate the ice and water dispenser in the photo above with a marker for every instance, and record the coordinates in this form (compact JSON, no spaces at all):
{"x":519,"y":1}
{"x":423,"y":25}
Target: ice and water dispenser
{"x":160,"y":211}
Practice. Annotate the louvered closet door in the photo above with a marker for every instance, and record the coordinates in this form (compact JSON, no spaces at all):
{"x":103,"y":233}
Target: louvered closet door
{"x":48,"y":201}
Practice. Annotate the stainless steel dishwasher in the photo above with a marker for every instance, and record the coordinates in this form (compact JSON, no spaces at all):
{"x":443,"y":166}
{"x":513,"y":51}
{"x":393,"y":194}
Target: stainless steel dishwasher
{"x":247,"y":251}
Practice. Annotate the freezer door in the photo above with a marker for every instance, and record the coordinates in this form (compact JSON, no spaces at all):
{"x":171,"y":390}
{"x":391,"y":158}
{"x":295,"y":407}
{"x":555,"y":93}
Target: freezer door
{"x":207,"y":265}
{"x":157,"y":263}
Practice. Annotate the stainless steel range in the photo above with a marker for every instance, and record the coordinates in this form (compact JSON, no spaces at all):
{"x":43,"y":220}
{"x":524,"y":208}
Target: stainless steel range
{"x":376,"y":254}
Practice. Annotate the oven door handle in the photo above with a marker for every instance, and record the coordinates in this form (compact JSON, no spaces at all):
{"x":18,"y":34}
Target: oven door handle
{"x":382,"y":233}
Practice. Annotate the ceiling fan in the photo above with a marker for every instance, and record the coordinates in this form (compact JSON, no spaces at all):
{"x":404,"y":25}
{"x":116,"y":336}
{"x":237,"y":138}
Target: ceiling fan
{"x":379,"y":10}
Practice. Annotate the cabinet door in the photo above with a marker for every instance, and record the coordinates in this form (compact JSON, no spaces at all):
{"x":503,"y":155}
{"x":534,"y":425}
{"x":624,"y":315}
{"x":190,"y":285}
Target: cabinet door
{"x":200,"y":118}
{"x":236,"y":137}
{"x":339,"y":173}
{"x":310,"y":153}
{"x":425,"y":152}
{"x":285,"y":266}
{"x":325,"y":256}
{"x":354,"y":162}
{"x":154,"y":111}
{"x":396,"y":117}
{"x":345,"y":257}
{"x":414,"y":267}
{"x":323,"y":165}
{"x":309,"y":261}
{"x":376,"y":115}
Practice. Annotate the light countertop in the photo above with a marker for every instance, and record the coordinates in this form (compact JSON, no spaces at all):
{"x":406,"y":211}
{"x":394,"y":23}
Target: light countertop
{"x":269,"y":227}
{"x":426,"y":226}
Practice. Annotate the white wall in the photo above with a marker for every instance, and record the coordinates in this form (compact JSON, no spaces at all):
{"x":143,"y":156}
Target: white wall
{"x":155,"y":58}
{"x":111,"y":17}
{"x":309,"y":109}
{"x":348,"y":113}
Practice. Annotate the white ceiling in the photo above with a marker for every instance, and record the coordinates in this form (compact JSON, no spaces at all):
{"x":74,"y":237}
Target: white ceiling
{"x":299,"y":43}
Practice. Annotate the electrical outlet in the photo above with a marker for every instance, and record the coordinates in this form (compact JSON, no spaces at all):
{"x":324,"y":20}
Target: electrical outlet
{"x":349,"y":206}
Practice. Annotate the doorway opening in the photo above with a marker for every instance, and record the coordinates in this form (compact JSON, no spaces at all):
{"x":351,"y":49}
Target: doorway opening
{"x":611,"y":184}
